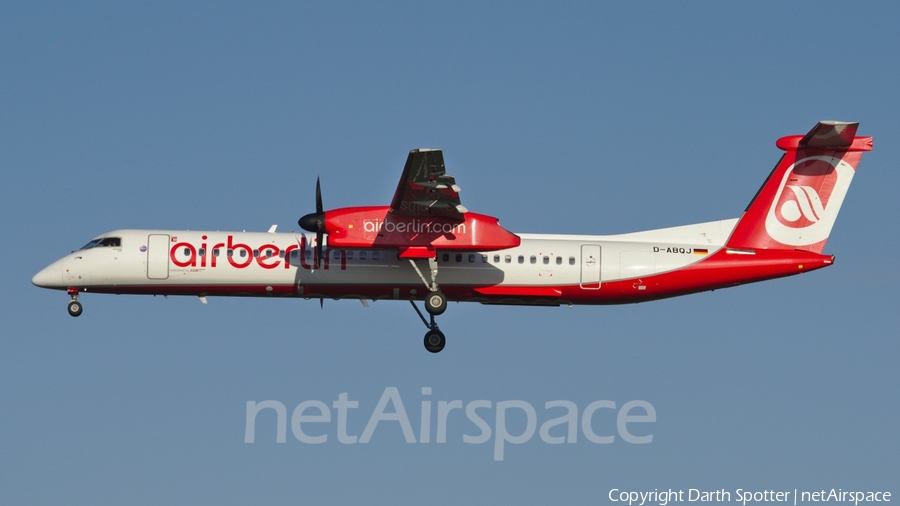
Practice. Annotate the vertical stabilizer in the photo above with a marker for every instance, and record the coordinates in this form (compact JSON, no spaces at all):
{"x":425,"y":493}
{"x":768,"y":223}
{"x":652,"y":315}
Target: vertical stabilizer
{"x":797,"y":205}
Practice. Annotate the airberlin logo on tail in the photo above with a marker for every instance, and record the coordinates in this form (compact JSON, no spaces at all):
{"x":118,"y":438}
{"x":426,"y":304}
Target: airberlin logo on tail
{"x":806,"y":204}
{"x":805,"y":213}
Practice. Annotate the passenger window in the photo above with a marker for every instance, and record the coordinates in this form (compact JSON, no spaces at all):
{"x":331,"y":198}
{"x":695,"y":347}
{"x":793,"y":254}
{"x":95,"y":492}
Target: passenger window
{"x":308,"y":254}
{"x":243,"y":252}
{"x":201,"y":252}
{"x":268,"y":253}
{"x":496,"y":259}
{"x":295,"y":254}
{"x":508,"y":259}
{"x":349,"y":255}
{"x":459,"y":257}
{"x":362,"y":255}
{"x":546,"y":260}
{"x":471,"y":257}
{"x":533,"y":259}
{"x":445,"y":257}
{"x":230,"y":253}
{"x":376,"y":255}
{"x":256,"y":253}
{"x":484,"y":259}
{"x":216,"y":252}
{"x":558,"y":260}
{"x":571,"y":260}
{"x":521,"y":259}
{"x":187,"y":252}
{"x":336,"y":255}
{"x":281,"y":253}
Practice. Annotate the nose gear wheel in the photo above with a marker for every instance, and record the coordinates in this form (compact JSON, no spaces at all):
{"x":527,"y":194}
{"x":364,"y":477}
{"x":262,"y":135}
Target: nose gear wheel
{"x":75,"y":308}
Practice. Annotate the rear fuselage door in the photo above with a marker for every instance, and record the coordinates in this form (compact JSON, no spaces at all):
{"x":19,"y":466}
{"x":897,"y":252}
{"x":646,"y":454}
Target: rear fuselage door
{"x":590,"y":266}
{"x":158,"y":256}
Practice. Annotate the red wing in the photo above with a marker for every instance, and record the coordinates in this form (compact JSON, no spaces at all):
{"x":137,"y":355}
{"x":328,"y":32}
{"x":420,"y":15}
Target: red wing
{"x":425,"y":189}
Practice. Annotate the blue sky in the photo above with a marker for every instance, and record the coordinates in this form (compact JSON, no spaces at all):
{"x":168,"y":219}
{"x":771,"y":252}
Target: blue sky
{"x":580,"y":118}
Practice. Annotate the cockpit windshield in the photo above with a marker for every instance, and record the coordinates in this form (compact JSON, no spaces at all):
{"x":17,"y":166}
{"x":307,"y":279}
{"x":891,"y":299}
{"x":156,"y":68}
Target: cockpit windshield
{"x":114,"y":242}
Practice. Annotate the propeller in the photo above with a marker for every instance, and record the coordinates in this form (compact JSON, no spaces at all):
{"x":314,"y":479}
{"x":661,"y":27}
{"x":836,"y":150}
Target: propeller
{"x":315,"y":222}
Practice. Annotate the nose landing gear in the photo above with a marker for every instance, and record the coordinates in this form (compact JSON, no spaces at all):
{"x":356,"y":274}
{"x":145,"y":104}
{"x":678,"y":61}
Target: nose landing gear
{"x":75,"y":308}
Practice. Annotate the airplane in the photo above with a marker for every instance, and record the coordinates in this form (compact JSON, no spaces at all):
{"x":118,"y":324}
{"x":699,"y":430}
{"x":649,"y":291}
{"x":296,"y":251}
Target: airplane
{"x":426,"y":246}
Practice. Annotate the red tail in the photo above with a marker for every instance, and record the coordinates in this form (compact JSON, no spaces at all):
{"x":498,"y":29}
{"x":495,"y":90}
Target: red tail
{"x":797,"y":205}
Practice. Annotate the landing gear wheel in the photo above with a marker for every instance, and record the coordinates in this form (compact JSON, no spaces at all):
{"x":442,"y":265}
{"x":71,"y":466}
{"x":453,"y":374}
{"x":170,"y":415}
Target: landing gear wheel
{"x":435,"y":303}
{"x":75,"y":308}
{"x":435,"y":341}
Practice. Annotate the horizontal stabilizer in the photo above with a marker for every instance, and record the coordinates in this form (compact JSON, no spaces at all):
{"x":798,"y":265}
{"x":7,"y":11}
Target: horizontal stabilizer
{"x":830,"y":134}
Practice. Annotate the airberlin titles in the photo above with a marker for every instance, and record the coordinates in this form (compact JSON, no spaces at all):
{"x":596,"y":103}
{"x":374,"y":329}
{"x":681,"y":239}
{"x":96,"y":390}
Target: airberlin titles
{"x":378,"y":227}
{"x":241,"y":255}
{"x":416,"y":226}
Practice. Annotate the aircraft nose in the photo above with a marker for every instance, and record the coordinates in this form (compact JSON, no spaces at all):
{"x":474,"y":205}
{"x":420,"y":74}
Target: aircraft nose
{"x":50,"y":277}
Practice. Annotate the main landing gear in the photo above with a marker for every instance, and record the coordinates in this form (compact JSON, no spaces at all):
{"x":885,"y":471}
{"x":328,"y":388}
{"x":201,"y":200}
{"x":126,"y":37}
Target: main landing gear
{"x":434,"y":338}
{"x":75,"y":308}
{"x":435,"y":304}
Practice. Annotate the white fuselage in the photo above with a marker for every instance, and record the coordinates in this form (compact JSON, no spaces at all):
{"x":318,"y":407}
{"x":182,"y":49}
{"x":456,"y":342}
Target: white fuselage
{"x":283,"y":264}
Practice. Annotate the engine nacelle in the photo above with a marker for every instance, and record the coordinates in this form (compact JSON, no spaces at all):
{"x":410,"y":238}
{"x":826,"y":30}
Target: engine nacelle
{"x":377,"y":227}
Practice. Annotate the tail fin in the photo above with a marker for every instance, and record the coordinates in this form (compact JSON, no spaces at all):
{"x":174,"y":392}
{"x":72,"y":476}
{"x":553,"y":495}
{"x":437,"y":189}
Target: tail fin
{"x":797,"y":205}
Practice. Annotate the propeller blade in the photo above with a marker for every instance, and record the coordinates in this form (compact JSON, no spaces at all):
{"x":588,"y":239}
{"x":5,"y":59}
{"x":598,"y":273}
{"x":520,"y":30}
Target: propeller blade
{"x":320,"y":223}
{"x":315,"y":222}
{"x":319,"y":246}
{"x":318,"y":197}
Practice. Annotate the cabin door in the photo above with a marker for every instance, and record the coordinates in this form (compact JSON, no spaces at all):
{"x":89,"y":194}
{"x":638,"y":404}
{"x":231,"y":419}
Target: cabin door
{"x":158,"y":256}
{"x":590,"y":266}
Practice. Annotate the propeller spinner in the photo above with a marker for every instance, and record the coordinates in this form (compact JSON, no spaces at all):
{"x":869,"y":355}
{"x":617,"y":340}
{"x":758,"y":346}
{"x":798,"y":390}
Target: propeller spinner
{"x":315,"y":222}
